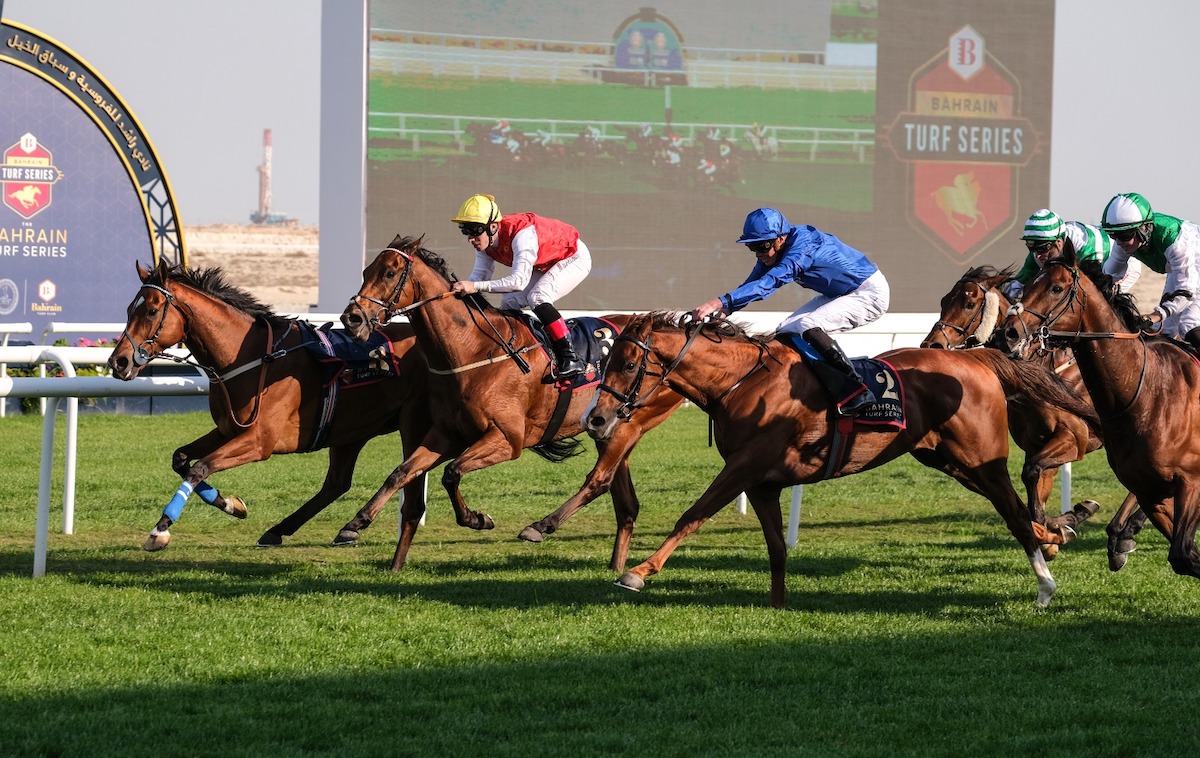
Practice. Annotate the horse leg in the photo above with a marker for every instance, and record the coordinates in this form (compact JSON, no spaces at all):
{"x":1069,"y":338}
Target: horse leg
{"x":765,"y":501}
{"x":338,"y":478}
{"x":193,"y":476}
{"x":991,"y":480}
{"x":1182,"y":556}
{"x":492,"y":448}
{"x":411,"y":512}
{"x":625,"y":508}
{"x":413,"y":467}
{"x":1125,"y":524}
{"x":722,"y":491}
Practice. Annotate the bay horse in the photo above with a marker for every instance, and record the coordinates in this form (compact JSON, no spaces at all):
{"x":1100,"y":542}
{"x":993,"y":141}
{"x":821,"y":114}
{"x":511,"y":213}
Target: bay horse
{"x":774,"y":425}
{"x":1146,"y":390}
{"x":267,"y":392}
{"x":970,"y":317}
{"x":490,"y":396}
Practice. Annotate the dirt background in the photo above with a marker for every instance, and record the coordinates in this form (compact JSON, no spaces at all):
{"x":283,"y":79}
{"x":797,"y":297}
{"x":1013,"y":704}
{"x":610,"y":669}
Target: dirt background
{"x":279,"y":265}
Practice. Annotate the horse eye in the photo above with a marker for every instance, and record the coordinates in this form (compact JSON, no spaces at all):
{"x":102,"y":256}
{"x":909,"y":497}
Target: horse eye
{"x":390,"y":274}
{"x":151,"y":312}
{"x":629,"y":367}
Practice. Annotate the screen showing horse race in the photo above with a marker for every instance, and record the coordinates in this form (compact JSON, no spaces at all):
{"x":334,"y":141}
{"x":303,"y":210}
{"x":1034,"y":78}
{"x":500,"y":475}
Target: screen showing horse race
{"x":915,"y":130}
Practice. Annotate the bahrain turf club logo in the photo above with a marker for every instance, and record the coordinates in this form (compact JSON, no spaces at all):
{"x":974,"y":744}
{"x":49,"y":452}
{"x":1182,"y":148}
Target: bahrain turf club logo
{"x":964,"y":142}
{"x":27,"y":176}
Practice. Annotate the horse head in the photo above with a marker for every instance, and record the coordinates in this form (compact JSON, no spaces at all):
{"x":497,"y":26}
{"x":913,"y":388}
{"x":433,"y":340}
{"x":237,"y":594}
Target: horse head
{"x":387,"y":287}
{"x":154,"y":322}
{"x":1056,"y":299}
{"x":971,"y":310}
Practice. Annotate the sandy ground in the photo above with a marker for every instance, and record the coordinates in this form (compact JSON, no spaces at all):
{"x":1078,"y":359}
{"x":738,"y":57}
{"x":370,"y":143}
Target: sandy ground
{"x":279,"y":265}
{"x":275,"y":264}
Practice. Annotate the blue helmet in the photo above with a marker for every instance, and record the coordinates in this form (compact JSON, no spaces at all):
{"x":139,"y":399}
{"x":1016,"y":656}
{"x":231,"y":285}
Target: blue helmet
{"x":764,"y":224}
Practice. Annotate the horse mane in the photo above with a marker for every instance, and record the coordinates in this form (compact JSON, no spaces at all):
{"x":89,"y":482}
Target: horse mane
{"x":1123,"y":303}
{"x":211,"y":281}
{"x":721,"y":328}
{"x":438,"y":264}
{"x":985,"y":273}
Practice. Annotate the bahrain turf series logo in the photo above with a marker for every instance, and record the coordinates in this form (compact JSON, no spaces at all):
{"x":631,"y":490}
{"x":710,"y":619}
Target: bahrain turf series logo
{"x":27,"y":176}
{"x":964,"y":142}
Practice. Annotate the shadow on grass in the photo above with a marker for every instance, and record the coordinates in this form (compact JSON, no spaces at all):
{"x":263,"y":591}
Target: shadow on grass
{"x":927,"y":694}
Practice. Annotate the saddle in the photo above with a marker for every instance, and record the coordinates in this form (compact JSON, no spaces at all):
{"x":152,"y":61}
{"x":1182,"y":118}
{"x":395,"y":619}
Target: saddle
{"x":877,"y":374}
{"x":591,"y":337}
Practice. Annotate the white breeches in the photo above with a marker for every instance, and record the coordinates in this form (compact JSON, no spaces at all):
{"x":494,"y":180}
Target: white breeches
{"x":839,"y":314}
{"x":551,"y":286}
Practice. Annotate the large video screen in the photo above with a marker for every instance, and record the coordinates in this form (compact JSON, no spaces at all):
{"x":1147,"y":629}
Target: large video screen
{"x":908,"y":129}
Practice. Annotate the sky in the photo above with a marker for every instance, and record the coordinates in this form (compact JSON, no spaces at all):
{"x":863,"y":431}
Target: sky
{"x":206,"y":77}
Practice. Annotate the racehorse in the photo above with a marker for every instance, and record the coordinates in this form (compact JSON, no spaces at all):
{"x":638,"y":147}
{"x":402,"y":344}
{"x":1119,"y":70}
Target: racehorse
{"x":1144,"y":388}
{"x":775,"y":427}
{"x":268,"y":394}
{"x":970,"y":316}
{"x":489,"y":395}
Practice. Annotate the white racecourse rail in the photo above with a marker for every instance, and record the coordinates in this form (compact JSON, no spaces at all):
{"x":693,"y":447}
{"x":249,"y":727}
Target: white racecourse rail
{"x":893,"y":330}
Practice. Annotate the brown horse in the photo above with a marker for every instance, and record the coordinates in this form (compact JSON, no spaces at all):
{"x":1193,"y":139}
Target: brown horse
{"x":266,"y":391}
{"x":970,"y":316}
{"x":490,"y":397}
{"x":775,"y":428}
{"x":1145,"y":389}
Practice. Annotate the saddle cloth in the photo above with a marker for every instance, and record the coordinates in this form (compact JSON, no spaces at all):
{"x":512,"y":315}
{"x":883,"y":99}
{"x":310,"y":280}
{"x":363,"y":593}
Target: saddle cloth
{"x":879,"y":376}
{"x":591,"y":337}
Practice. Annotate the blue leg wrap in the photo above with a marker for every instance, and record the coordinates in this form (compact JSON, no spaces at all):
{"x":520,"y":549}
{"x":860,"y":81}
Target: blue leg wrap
{"x":175,"y":507}
{"x":207,"y":492}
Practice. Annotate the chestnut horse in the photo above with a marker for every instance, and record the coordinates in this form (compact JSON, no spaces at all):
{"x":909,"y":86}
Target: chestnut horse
{"x":775,"y":428}
{"x":490,"y":396}
{"x":1146,"y":390}
{"x":266,"y":391}
{"x":970,"y":316}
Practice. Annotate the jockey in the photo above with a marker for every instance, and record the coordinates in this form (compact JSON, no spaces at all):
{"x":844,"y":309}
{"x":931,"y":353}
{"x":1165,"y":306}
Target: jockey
{"x":851,"y":291}
{"x":1167,"y":245}
{"x":548,"y":261}
{"x":1044,"y":236}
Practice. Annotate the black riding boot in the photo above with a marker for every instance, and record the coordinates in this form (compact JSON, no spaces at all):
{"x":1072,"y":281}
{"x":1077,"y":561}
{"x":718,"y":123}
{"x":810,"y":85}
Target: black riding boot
{"x":566,"y":363}
{"x":1193,"y":338}
{"x":842,"y":380}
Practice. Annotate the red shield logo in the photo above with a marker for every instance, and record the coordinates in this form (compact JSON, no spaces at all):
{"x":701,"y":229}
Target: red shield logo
{"x":27,"y":177}
{"x":965,"y":142}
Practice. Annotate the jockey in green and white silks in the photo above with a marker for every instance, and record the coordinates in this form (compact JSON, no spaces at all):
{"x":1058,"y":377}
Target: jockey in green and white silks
{"x":1166,"y":244}
{"x":1044,"y":237}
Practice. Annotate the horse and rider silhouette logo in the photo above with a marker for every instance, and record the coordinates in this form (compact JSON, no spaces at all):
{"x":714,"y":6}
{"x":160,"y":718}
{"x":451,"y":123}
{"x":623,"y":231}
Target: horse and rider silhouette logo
{"x":28,"y":176}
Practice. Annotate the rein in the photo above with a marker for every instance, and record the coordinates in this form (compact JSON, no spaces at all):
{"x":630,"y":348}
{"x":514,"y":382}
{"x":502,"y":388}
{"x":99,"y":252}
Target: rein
{"x":142,"y":356}
{"x":632,"y":400}
{"x":389,"y":311}
{"x":1045,"y":333}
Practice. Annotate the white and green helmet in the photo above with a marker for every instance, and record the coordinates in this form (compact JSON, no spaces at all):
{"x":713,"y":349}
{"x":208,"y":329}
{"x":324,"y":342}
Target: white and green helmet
{"x":1044,"y":225}
{"x":1128,"y":210}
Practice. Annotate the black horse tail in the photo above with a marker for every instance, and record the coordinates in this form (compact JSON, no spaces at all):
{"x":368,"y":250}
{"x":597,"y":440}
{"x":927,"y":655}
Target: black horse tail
{"x":1037,"y":385}
{"x":557,"y":451}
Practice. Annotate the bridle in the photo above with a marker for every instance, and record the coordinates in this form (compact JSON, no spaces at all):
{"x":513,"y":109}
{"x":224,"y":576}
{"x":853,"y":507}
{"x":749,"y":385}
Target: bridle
{"x":142,"y":355}
{"x":388,"y":311}
{"x":1048,"y":338}
{"x":635,"y":398}
{"x":972,"y":330}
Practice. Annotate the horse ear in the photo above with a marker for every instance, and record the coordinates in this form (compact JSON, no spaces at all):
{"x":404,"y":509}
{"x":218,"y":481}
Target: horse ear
{"x":1069,"y":252}
{"x":420,"y":241}
{"x":143,"y":273}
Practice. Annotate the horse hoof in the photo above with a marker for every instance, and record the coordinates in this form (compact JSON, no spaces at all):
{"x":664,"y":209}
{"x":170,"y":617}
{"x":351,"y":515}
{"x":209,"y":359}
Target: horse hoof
{"x":235,"y":507}
{"x":270,"y":539}
{"x":486,"y":522}
{"x":1126,"y":546}
{"x":1086,"y":509}
{"x":529,"y":534}
{"x":156,"y":541}
{"x":630,"y":581}
{"x":345,"y":537}
{"x":1116,"y":561}
{"x":1049,"y":551}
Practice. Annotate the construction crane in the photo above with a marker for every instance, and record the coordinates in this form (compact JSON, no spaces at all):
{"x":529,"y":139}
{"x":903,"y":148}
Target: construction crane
{"x":264,"y":215}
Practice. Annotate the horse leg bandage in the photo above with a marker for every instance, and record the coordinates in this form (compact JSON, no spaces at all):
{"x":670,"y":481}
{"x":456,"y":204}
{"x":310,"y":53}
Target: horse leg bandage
{"x":175,"y":507}
{"x":207,"y":492}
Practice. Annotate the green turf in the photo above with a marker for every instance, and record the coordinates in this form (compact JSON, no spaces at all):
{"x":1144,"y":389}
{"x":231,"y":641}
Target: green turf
{"x":910,"y":627}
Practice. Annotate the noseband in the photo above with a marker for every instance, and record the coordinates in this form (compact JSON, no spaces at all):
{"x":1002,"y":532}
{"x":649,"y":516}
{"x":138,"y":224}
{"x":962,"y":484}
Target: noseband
{"x":387,"y":307}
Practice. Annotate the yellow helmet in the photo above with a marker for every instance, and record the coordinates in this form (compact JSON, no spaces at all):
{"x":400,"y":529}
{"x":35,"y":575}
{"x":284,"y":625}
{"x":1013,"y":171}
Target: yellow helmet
{"x":478,"y":209}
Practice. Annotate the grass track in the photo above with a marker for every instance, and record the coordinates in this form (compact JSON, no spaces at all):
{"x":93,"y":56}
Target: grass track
{"x":910,"y":627}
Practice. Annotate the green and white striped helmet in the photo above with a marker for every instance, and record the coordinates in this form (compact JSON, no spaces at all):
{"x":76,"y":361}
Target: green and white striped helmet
{"x":1044,"y":225}
{"x":1128,"y":210}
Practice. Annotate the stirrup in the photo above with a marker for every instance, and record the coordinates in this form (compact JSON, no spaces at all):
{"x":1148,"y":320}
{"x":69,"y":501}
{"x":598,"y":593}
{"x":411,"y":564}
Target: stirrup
{"x":569,"y":369}
{"x":857,"y":402}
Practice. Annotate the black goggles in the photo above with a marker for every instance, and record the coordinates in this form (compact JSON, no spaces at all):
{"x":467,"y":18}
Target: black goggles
{"x":761,"y":246}
{"x":1037,"y":248}
{"x":1124,"y":235}
{"x":472,"y":230}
